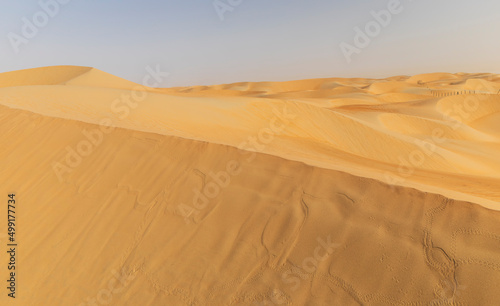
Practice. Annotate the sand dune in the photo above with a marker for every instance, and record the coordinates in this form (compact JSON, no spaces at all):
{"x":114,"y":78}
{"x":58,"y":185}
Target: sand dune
{"x":315,"y":192}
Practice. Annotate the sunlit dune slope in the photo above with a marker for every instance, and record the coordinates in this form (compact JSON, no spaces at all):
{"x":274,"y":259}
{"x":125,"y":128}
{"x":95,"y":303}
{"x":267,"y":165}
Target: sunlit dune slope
{"x":316,"y":192}
{"x":66,"y":75}
{"x":422,"y":135}
{"x":41,"y":76}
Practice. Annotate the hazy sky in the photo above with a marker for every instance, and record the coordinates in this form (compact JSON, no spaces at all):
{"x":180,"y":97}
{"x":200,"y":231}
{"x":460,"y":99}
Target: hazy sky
{"x":257,"y":40}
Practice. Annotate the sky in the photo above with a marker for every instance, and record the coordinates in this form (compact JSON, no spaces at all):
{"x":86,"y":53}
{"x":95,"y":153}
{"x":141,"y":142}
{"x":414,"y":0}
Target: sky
{"x":203,"y":42}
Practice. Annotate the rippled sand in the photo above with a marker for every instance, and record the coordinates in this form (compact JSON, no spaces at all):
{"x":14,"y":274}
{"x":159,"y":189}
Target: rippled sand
{"x":313,"y":192}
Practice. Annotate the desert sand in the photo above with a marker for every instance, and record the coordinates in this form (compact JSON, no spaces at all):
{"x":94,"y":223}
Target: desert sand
{"x":313,"y":192}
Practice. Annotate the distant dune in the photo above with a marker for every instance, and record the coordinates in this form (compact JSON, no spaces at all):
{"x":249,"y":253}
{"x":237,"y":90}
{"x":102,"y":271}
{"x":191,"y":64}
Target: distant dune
{"x":314,"y":192}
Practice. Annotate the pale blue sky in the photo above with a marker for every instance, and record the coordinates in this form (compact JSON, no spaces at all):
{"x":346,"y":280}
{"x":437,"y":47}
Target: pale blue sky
{"x":259,"y":40}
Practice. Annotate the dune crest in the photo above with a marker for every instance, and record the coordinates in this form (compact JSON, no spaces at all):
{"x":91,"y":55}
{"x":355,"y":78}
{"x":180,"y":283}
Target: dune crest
{"x":267,"y":193}
{"x":400,"y":119}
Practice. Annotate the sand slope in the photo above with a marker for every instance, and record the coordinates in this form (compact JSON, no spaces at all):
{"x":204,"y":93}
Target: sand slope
{"x":315,"y":192}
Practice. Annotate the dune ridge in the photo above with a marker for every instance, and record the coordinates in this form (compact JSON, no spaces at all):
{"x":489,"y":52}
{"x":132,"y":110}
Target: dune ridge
{"x":273,"y":193}
{"x":469,"y":149}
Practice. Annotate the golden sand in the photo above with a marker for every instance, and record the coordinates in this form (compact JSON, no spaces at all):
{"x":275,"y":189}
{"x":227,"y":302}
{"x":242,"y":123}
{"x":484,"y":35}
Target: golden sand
{"x":313,"y":192}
